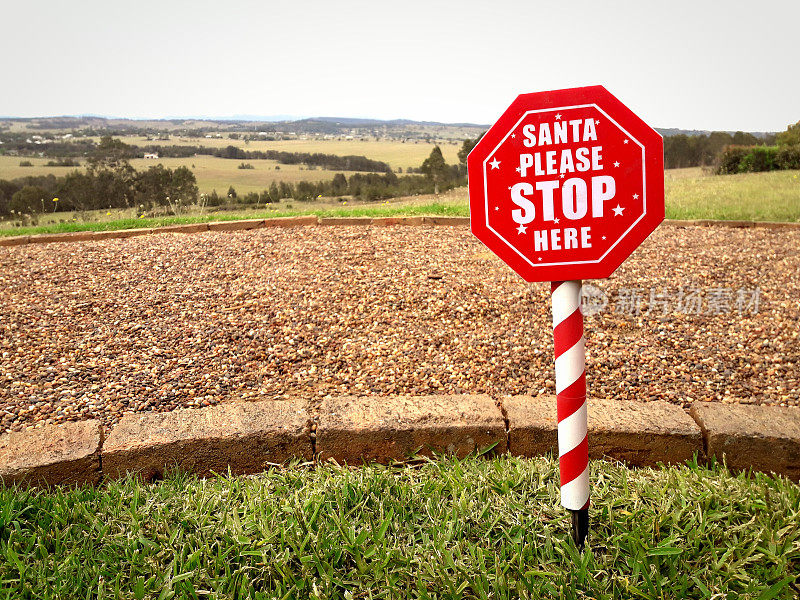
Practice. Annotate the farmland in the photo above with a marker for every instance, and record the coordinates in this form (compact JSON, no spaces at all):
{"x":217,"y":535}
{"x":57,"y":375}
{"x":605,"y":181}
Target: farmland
{"x":212,"y":173}
{"x":395,"y":153}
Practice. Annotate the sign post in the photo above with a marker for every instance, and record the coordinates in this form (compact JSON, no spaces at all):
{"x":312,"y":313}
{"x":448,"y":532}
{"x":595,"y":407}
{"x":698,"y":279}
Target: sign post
{"x":573,"y":440}
{"x":564,"y":187}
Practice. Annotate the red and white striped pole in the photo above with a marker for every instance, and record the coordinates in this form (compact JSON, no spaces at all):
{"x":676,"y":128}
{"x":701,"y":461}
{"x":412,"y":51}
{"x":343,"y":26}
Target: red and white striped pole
{"x":573,"y":441}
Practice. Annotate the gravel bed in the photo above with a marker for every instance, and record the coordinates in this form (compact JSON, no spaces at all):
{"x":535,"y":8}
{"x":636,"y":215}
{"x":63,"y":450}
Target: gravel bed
{"x":98,"y":329}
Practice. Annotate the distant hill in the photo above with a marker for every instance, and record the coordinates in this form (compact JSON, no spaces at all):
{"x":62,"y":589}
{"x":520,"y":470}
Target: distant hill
{"x":666,"y":132}
{"x":277,"y":124}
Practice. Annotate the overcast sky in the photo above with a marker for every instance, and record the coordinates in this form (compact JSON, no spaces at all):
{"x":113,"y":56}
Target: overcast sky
{"x":695,"y":65}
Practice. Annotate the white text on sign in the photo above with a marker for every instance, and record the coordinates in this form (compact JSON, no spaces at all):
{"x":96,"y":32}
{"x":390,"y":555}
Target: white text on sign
{"x":576,"y":194}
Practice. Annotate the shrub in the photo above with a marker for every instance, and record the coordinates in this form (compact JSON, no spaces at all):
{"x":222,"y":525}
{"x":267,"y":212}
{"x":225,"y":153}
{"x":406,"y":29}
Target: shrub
{"x":760,"y":158}
{"x":25,"y":163}
{"x":63,"y":162}
{"x":245,"y":166}
{"x":788,"y":157}
{"x":730,"y":159}
{"x":754,"y":159}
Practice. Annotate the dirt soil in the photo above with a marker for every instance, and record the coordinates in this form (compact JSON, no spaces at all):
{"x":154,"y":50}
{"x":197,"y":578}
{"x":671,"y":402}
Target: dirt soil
{"x":97,"y":329}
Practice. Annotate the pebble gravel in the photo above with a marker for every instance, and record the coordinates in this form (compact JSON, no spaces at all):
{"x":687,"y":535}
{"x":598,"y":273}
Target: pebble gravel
{"x":102,"y":328}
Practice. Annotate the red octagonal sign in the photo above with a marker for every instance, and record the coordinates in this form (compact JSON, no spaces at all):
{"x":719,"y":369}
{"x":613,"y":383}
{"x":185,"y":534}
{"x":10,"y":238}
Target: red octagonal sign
{"x":566,"y":184}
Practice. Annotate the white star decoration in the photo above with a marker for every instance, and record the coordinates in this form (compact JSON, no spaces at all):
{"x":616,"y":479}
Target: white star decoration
{"x":597,"y":121}
{"x":604,"y":237}
{"x":513,"y":135}
{"x":562,"y":176}
{"x":521,"y":229}
{"x":636,"y":196}
{"x":519,"y":170}
{"x":618,"y":210}
{"x":556,"y":220}
{"x":558,"y":117}
{"x":497,"y":208}
{"x":625,"y":142}
{"x":540,"y":258}
{"x":495,"y":164}
{"x":616,"y":164}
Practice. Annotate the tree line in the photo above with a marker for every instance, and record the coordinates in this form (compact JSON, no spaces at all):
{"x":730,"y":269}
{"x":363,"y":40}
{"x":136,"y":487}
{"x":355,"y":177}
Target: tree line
{"x":332,"y":162}
{"x":100,"y":186}
{"x":702,"y":150}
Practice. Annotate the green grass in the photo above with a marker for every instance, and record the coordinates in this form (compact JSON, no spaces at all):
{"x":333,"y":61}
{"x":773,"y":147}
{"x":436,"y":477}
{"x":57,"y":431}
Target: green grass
{"x":446,"y":529}
{"x":435,"y":208}
{"x":695,"y":194}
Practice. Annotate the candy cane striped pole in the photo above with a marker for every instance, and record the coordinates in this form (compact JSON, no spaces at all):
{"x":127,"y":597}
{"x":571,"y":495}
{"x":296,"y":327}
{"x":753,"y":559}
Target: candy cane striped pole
{"x":573,"y":448}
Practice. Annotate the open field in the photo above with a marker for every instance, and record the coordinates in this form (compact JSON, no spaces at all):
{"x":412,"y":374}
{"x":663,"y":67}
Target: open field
{"x":696,"y":194}
{"x":100,"y":328}
{"x":212,"y":173}
{"x":396,"y":154}
{"x":450,"y":529}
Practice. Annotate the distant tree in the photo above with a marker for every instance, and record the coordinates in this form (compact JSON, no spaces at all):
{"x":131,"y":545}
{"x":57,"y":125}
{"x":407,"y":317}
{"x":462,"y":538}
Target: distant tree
{"x":790,"y":137}
{"x":274,"y":192}
{"x":339,"y":184}
{"x":466,"y":148}
{"x":28,"y":200}
{"x":111,"y":152}
{"x":7,"y":191}
{"x":153,"y":186}
{"x":77,"y":191}
{"x":231,"y":192}
{"x":435,"y":168}
{"x":741,"y":138}
{"x":183,"y":185}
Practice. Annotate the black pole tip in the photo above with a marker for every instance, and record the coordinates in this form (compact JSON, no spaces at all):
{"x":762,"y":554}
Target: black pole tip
{"x":580,"y":526}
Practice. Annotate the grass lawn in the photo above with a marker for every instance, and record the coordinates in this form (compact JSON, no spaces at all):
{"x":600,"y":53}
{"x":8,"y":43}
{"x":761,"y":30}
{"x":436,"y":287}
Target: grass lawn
{"x":445,"y":529}
{"x":695,"y":194}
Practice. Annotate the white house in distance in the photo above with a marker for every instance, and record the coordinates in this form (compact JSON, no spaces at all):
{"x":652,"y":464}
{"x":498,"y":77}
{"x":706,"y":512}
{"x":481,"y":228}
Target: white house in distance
{"x":153,"y":155}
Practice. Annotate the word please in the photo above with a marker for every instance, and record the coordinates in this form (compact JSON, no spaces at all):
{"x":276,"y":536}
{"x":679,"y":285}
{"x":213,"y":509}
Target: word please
{"x":567,"y":163}
{"x":574,"y":198}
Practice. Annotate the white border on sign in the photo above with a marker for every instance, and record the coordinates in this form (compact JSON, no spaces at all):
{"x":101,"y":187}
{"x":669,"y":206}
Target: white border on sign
{"x":576,"y":262}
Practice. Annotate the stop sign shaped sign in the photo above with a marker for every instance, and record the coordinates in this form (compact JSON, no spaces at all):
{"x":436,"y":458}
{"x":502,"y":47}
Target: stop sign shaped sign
{"x":566,"y":184}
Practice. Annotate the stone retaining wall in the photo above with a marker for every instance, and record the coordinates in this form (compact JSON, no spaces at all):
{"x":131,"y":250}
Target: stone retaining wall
{"x":245,"y":224}
{"x":248,"y":437}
